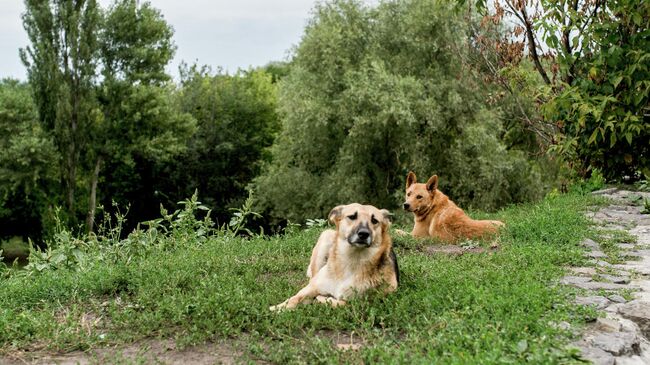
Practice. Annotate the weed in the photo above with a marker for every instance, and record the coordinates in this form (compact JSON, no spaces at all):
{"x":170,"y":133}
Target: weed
{"x":242,"y":215}
{"x":646,"y":207}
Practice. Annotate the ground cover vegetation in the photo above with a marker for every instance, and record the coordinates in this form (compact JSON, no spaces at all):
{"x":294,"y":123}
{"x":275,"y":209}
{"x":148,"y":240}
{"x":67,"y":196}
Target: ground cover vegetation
{"x":183,"y":278}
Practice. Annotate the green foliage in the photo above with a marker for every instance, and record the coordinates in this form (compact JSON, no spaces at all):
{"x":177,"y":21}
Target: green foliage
{"x":374,"y":92}
{"x":585,"y":186}
{"x":485,"y":308}
{"x":136,"y":43}
{"x":61,"y":63}
{"x":603,"y":109}
{"x":115,"y":119}
{"x":646,"y":207}
{"x":236,"y":123}
{"x":242,"y":215}
{"x":27,"y":163}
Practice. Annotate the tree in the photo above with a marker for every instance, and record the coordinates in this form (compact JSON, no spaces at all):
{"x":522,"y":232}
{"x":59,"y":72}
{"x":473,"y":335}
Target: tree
{"x":374,"y":92}
{"x":237,"y":122}
{"x":593,"y":57}
{"x":27,"y":172}
{"x":128,"y":111}
{"x":61,"y":65}
{"x":139,"y":117}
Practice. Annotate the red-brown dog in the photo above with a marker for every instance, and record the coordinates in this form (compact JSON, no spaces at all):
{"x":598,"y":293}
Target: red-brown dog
{"x":438,"y":217}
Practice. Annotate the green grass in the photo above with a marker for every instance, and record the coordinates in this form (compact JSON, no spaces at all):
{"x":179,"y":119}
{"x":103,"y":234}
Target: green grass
{"x":491,"y":308}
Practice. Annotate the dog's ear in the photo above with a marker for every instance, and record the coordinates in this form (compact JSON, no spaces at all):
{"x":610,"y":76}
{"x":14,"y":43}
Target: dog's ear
{"x":387,"y":215}
{"x":432,"y":183}
{"x":410,"y":179}
{"x":335,"y":214}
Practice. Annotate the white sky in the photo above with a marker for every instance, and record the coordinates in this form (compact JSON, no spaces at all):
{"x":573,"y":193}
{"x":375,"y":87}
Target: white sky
{"x":230,"y":34}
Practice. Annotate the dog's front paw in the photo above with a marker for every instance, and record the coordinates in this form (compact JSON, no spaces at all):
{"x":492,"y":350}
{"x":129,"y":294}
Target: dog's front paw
{"x":277,"y":308}
{"x":280,"y":307}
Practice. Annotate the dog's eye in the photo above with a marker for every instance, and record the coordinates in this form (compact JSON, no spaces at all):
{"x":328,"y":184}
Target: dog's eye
{"x":352,"y":217}
{"x":419,"y":197}
{"x":409,"y":194}
{"x":374,"y":220}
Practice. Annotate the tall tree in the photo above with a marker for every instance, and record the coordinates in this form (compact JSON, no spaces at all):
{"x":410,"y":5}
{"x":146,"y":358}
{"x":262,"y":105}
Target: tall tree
{"x":128,"y":110}
{"x":139,"y":117}
{"x":61,"y":65}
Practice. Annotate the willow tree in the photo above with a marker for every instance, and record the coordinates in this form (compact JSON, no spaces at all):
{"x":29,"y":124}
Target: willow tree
{"x":374,"y":92}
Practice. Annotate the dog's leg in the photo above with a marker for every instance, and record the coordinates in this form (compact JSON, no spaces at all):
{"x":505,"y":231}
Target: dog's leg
{"x":330,"y":300}
{"x":305,"y":294}
{"x":320,"y":252}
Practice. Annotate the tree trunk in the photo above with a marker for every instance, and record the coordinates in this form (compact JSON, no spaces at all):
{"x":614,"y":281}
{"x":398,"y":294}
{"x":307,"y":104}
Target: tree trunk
{"x":71,"y":178}
{"x":92,"y":203}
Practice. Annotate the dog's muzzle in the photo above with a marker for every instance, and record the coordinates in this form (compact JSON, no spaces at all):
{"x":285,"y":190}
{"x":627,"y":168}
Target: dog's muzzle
{"x":361,"y":238}
{"x":407,"y":206}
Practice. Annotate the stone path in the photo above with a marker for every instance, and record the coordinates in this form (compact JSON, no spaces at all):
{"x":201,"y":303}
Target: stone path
{"x":621,"y":336}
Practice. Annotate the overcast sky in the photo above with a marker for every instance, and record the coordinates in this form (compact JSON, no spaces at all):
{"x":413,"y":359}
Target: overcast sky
{"x":228,"y":33}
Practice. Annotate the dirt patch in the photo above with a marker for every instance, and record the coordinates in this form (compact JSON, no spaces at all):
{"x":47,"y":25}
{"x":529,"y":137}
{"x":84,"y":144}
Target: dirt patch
{"x":151,"y":351}
{"x":455,"y":250}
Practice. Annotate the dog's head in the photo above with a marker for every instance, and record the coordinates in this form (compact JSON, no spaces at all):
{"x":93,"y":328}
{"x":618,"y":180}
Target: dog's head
{"x":361,"y":225}
{"x":419,"y":196}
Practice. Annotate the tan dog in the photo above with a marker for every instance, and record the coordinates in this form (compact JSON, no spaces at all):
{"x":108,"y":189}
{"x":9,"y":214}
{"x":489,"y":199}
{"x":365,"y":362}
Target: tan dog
{"x":350,"y":260}
{"x":437,"y":216}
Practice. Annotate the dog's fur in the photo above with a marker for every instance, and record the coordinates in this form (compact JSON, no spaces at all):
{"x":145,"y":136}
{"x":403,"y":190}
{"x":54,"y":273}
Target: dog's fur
{"x":353,"y":258}
{"x":436,"y":216}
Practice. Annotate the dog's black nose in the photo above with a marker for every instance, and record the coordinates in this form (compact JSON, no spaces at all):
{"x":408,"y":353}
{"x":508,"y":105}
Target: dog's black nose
{"x":363,"y":234}
{"x":407,"y":206}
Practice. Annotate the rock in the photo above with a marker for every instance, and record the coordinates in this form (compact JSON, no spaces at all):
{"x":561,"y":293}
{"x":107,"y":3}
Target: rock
{"x":626,"y":246}
{"x":574,"y":280}
{"x":586,"y":271}
{"x":608,"y":191}
{"x":617,"y":343}
{"x":616,"y":298}
{"x":586,"y":283}
{"x":641,"y":253}
{"x":616,"y":279}
{"x":597,"y":301}
{"x":627,"y":325}
{"x":641,"y":284}
{"x":453,"y":250}
{"x":600,"y":263}
{"x":613,"y":308}
{"x":608,"y":325}
{"x":642,"y":266}
{"x":639,"y":313}
{"x":596,"y":254}
{"x":590,"y":243}
{"x":631,"y":360}
{"x":597,"y":285}
{"x":564,"y":325}
{"x":596,"y":355}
